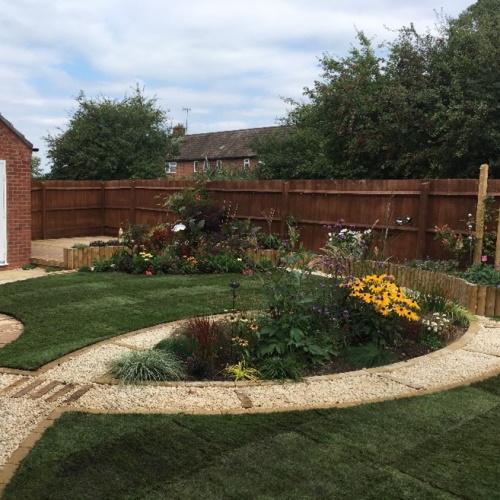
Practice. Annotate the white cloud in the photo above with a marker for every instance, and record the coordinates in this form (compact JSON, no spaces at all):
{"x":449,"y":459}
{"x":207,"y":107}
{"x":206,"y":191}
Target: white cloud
{"x":229,"y":61}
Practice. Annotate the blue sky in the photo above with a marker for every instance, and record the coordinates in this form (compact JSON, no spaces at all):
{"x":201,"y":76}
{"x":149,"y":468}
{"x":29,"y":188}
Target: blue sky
{"x":229,"y":61}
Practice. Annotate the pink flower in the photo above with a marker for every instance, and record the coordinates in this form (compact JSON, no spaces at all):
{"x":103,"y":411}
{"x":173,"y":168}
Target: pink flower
{"x":148,"y":272}
{"x":484,"y":258}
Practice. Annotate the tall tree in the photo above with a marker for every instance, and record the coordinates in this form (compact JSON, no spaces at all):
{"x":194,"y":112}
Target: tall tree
{"x":112,"y":139}
{"x":423,"y":105}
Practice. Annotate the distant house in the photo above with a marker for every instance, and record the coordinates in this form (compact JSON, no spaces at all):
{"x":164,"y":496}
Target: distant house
{"x":15,"y":196}
{"x":201,"y":152}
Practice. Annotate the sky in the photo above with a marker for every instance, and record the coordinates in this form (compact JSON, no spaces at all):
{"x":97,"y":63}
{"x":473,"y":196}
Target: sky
{"x":219,"y":64}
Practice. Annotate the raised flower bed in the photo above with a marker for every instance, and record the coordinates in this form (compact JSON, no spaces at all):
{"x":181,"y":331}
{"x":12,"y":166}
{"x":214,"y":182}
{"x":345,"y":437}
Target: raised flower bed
{"x":75,"y":258}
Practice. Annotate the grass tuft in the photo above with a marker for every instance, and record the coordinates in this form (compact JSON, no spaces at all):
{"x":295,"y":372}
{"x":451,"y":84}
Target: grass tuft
{"x":151,"y":365}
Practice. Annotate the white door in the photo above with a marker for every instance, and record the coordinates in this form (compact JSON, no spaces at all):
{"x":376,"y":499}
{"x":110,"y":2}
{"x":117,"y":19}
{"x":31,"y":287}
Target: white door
{"x":3,"y":213}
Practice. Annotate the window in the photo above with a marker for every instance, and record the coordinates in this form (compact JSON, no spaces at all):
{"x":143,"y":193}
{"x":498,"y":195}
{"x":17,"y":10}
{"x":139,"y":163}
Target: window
{"x":195,"y":166}
{"x":206,"y":164}
{"x":171,"y":167}
{"x":246,"y":163}
{"x":219,"y":164}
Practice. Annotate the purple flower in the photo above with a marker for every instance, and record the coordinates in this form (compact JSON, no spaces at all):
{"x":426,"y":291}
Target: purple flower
{"x":484,"y":258}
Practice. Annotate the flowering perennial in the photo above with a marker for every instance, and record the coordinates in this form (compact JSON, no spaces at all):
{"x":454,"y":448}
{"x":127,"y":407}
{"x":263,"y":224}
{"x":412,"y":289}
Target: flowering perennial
{"x":384,"y":295}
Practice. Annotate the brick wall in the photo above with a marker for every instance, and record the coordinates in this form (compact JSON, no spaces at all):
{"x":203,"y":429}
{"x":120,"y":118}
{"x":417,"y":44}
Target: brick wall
{"x":185,"y":169}
{"x":17,"y":155}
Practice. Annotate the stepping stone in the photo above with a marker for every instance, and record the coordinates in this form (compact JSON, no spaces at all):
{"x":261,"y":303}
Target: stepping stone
{"x":78,"y":394}
{"x":61,"y":392}
{"x":28,"y":388}
{"x":44,"y":390}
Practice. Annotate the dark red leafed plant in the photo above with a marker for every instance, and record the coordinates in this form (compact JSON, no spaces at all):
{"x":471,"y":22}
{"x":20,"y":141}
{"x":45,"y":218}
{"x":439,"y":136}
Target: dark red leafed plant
{"x":209,"y":338}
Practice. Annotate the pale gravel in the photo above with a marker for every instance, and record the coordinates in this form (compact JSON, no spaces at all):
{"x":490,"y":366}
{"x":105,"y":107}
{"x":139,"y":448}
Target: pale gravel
{"x":18,"y":417}
{"x":487,"y":340}
{"x":453,"y":367}
{"x":87,"y":366}
{"x":8,"y":378}
{"x":161,"y":398}
{"x":146,"y":340}
{"x":325,"y":392}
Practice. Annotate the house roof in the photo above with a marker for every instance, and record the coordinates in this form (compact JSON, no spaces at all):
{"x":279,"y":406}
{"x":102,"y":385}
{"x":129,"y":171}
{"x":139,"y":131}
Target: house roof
{"x":221,"y":145}
{"x":16,"y":132}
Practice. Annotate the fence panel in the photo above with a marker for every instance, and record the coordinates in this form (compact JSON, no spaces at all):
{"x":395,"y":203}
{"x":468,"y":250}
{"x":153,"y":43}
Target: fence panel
{"x":78,"y":208}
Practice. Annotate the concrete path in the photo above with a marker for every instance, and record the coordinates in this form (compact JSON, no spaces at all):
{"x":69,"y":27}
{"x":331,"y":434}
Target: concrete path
{"x":50,"y":252}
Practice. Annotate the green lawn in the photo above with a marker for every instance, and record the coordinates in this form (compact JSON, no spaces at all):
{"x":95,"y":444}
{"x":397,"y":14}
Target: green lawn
{"x":440,"y":446}
{"x":66,"y":312}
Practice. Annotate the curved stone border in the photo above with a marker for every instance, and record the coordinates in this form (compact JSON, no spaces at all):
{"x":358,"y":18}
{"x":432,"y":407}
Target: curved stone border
{"x":475,"y":356}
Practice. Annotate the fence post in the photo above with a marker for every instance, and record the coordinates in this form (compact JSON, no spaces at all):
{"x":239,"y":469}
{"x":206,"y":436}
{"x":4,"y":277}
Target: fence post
{"x":44,"y":211}
{"x":285,"y":205}
{"x":481,"y":195}
{"x":423,"y":210}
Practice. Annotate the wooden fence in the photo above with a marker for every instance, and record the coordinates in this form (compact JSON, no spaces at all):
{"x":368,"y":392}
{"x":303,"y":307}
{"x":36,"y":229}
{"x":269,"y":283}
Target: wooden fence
{"x":81,"y":208}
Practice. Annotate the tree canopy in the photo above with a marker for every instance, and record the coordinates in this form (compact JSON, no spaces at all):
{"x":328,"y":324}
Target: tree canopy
{"x":112,"y":139}
{"x":421,"y":106}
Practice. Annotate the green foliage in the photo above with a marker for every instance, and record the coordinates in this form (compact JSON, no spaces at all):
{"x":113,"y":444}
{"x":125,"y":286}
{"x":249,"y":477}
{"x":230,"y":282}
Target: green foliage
{"x":482,"y":274}
{"x":112,"y":139}
{"x":53,"y":269}
{"x":242,"y":372}
{"x":29,"y":267}
{"x":440,"y":266}
{"x":368,"y":355}
{"x":149,"y":365}
{"x":179,"y":345}
{"x":79,"y":246}
{"x":287,"y":327}
{"x":431,"y":340}
{"x":37,"y":173}
{"x":281,"y":368}
{"x":84,"y":269}
{"x":425,"y":106}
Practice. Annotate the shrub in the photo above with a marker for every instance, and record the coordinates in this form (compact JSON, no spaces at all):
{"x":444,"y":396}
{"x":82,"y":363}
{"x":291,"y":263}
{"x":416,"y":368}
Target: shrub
{"x":148,"y":365}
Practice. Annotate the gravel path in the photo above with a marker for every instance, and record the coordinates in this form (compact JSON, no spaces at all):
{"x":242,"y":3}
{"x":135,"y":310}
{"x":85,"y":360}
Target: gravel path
{"x":78,"y":382}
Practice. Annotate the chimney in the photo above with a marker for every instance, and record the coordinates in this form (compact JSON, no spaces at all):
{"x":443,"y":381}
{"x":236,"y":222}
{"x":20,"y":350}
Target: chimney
{"x":179,"y":130}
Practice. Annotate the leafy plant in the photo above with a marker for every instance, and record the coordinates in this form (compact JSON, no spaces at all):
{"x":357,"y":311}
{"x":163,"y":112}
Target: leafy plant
{"x":84,"y":269}
{"x":80,"y":246}
{"x":242,"y":372}
{"x":482,"y":274}
{"x":148,"y":365}
{"x":281,"y":368}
